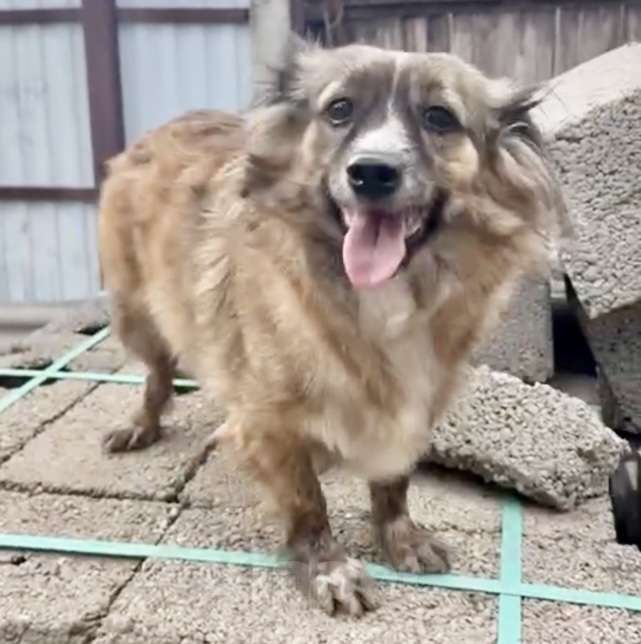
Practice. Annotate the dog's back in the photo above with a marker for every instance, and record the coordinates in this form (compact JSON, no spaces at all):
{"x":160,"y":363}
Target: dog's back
{"x":147,"y":218}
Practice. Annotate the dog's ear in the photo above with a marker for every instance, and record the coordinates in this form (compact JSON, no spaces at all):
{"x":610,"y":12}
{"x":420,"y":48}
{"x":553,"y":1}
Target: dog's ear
{"x":275,"y":129}
{"x":287,"y":71}
{"x":519,"y":156}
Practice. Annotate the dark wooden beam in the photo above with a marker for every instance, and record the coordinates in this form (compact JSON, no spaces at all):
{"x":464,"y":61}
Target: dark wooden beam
{"x":47,"y":193}
{"x":38,"y":16}
{"x":103,"y":77}
{"x":182,"y":15}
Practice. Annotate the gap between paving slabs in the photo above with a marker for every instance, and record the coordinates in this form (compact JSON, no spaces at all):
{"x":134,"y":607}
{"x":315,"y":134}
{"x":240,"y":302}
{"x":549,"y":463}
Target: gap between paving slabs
{"x":509,"y":587}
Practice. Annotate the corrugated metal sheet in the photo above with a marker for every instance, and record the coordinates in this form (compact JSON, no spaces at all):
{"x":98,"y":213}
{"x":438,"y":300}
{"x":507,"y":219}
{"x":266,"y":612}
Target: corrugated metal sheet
{"x":38,"y":4}
{"x":47,"y":251}
{"x":169,"y":69}
{"x":45,"y":136}
{"x":184,"y":3}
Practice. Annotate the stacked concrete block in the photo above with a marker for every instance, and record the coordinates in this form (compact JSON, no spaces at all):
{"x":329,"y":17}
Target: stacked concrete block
{"x":521,"y":344}
{"x":593,"y":114}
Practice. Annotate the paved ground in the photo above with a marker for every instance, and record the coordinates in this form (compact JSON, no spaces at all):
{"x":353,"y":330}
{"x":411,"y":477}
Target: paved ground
{"x":55,"y":480}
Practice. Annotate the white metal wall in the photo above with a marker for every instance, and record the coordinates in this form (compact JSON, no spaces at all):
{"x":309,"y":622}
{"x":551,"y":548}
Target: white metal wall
{"x":168,"y":69}
{"x":48,"y":250}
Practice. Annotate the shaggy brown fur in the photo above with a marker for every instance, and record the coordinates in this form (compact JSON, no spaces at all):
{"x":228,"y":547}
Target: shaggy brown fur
{"x":221,"y":244}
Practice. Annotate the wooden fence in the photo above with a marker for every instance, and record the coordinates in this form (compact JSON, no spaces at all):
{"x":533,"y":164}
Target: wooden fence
{"x":530,"y":40}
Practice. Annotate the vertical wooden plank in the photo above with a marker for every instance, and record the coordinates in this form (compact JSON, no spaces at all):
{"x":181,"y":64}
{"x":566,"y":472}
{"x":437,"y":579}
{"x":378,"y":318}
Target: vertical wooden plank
{"x":415,"y":34}
{"x":539,"y":36}
{"x":439,"y":28}
{"x":587,"y":32}
{"x":633,"y":16}
{"x":103,"y":78}
{"x":462,"y":35}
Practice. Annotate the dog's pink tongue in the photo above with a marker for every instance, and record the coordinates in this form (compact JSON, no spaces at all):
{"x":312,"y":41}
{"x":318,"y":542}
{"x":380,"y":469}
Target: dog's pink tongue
{"x":373,"y":248}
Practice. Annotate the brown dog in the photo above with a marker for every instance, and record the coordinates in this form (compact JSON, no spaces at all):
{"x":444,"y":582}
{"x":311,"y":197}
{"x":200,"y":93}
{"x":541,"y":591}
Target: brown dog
{"x":324,"y":266}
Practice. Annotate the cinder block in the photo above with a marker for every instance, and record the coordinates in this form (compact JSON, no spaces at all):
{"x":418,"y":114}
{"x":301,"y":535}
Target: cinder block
{"x":593,"y":114}
{"x":549,"y":446}
{"x":615,"y":340}
{"x":521,"y":344}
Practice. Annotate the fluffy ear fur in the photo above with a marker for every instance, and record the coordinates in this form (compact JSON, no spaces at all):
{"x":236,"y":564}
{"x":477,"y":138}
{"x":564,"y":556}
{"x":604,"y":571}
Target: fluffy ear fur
{"x":286,"y":72}
{"x":521,"y":161}
{"x":275,"y":130}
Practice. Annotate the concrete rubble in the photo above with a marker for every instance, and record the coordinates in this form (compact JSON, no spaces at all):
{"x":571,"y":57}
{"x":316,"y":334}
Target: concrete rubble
{"x":549,"y":446}
{"x":593,"y":116}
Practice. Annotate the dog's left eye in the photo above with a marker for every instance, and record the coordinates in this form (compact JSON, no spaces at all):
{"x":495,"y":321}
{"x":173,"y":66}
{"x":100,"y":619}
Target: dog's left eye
{"x":440,"y":120}
{"x":340,"y":111}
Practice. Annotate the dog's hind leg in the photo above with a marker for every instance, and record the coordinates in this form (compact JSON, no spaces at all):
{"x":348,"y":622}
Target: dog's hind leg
{"x":139,"y":334}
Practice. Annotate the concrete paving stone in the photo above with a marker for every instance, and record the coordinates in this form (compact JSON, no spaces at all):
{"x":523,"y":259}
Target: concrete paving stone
{"x":171,"y":603}
{"x":39,"y":350}
{"x":57,"y":599}
{"x":464,"y":514}
{"x":615,"y":340}
{"x":594,"y":115}
{"x":25,"y":417}
{"x":86,"y":318}
{"x":552,"y":623}
{"x":522,"y":344}
{"x":532,"y":438}
{"x":579,"y":550}
{"x":71,"y":448}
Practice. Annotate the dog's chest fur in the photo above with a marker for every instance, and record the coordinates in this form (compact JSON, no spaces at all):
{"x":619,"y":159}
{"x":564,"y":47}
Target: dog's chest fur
{"x":389,"y":440}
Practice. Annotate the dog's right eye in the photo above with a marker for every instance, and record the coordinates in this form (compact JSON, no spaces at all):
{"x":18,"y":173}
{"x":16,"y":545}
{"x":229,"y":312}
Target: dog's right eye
{"x":340,"y":111}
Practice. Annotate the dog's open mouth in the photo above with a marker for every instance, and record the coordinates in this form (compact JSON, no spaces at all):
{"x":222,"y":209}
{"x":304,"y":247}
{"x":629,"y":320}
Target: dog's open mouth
{"x":377,"y":242}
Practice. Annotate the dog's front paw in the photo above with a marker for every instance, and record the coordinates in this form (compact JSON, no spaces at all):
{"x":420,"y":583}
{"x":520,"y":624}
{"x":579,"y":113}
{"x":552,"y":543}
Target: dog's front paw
{"x":337,"y":586}
{"x":125,"y":440}
{"x":411,"y":548}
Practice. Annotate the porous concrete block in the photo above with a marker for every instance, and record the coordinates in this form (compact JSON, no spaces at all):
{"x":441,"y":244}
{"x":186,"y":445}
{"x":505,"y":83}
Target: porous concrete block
{"x":593,"y":118}
{"x":521,"y":344}
{"x":532,"y":438}
{"x":615,"y":340}
{"x":56,"y":599}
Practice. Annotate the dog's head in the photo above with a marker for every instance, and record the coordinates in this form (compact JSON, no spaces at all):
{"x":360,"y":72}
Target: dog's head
{"x":392,"y":147}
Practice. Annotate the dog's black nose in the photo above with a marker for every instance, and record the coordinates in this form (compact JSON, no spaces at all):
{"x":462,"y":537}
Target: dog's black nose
{"x":373,"y":178}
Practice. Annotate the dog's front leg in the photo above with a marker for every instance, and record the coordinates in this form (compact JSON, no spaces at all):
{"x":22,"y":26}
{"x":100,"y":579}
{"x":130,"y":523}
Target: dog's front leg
{"x":319,"y":564}
{"x":407,"y":546}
